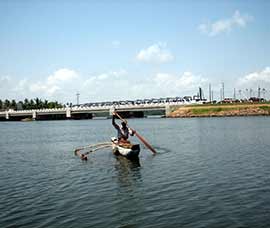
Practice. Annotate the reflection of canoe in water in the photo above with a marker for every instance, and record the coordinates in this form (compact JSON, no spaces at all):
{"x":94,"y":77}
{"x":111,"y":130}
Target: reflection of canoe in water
{"x":128,"y":150}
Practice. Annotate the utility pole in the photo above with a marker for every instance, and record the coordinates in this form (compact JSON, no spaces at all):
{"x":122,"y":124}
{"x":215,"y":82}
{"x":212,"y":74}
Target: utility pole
{"x":259,"y":92}
{"x":240,"y":94}
{"x":234,"y":95}
{"x":223,"y":97}
{"x":78,"y":98}
{"x":210,"y":93}
{"x":263,"y":90}
{"x":220,"y":91}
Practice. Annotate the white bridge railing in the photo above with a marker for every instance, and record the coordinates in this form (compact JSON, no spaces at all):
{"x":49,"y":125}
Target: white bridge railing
{"x":105,"y":108}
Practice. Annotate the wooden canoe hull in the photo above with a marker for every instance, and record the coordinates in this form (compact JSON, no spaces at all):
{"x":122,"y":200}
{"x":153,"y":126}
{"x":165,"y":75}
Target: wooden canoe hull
{"x":130,"y":151}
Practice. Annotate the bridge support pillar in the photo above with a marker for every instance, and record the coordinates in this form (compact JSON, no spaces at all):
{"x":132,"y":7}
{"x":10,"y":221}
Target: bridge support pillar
{"x":34,"y":115}
{"x":7,"y":115}
{"x":167,"y":110}
{"x":68,"y":113}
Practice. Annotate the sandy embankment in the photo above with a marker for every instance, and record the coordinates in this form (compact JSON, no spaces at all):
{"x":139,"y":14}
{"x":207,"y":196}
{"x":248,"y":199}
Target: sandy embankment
{"x":220,"y":110}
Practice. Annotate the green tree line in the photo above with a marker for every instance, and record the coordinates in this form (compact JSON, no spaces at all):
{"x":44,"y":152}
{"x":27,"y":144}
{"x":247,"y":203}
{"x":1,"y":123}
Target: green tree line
{"x":28,"y":104}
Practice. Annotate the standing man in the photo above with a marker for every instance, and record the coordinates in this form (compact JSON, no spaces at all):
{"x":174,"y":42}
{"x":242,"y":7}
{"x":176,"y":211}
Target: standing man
{"x":123,"y":131}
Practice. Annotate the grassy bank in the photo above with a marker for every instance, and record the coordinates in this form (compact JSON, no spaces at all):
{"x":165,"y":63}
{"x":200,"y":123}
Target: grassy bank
{"x":208,"y":110}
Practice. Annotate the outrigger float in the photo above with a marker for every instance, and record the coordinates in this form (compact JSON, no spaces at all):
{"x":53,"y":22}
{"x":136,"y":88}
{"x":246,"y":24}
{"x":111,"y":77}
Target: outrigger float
{"x":128,"y":150}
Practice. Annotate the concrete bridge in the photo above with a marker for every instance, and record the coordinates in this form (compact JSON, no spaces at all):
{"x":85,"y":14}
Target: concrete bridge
{"x":127,"y":111}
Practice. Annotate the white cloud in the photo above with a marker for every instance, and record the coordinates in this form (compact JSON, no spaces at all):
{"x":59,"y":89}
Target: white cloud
{"x":106,"y":86}
{"x":249,"y":84}
{"x":128,"y":87}
{"x":173,"y":85}
{"x":120,"y":73}
{"x":4,"y":81}
{"x":156,"y":53}
{"x":107,"y":77}
{"x":225,"y":25}
{"x":256,"y":78}
{"x":102,"y":76}
{"x":40,"y":88}
{"x":21,"y":85}
{"x":61,"y":82}
{"x":111,"y":85}
{"x":60,"y":85}
{"x":62,"y":75}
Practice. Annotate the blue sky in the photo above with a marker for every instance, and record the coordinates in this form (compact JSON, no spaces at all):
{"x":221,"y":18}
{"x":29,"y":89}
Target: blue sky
{"x":114,"y":50}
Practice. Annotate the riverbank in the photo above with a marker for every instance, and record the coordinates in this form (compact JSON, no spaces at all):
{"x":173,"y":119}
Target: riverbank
{"x":220,"y":110}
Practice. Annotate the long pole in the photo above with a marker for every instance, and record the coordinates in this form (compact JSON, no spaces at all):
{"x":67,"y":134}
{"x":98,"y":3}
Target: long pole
{"x":139,"y":136}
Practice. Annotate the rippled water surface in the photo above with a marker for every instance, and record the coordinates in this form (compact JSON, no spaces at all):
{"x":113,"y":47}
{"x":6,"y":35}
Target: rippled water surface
{"x":209,"y":172}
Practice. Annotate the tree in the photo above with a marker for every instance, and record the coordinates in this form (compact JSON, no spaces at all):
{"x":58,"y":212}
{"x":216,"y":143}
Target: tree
{"x":13,"y":104}
{"x":50,"y":105}
{"x":32,"y":104}
{"x":29,"y":104}
{"x":46,"y":103}
{"x":6,"y":104}
{"x":39,"y":103}
{"x":26,"y":104}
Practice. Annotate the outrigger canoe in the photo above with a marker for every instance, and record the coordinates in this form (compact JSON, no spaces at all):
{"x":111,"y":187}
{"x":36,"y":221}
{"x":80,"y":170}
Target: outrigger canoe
{"x":128,"y":150}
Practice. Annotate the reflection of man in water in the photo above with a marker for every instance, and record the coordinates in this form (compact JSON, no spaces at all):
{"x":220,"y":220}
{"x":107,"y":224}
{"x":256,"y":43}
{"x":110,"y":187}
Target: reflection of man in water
{"x":123,"y":131}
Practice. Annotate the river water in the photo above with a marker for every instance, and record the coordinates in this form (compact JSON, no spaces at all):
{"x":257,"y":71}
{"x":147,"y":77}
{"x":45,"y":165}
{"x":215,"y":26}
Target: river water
{"x":209,"y":172}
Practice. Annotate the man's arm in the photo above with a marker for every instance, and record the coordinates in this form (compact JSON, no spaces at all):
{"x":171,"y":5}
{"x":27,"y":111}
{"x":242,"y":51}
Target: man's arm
{"x":113,"y":122}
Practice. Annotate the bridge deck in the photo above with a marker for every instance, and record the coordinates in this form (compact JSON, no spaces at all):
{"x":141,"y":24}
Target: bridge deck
{"x":84,"y":110}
